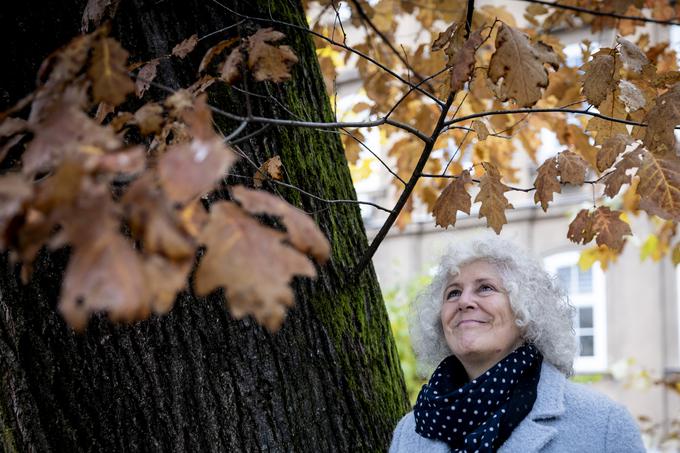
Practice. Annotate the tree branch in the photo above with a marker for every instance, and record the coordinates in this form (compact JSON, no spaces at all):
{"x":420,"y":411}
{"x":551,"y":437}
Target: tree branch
{"x":603,"y":13}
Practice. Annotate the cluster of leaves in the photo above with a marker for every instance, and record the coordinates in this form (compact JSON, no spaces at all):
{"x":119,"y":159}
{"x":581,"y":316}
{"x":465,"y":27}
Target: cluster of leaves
{"x":126,"y":190}
{"x":509,"y":84}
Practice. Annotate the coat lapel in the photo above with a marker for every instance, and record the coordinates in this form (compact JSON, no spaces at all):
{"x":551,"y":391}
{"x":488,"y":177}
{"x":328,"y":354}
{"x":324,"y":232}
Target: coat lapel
{"x":531,"y":434}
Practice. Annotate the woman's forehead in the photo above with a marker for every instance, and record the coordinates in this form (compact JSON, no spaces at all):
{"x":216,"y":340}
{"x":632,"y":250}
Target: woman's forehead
{"x":475,"y":270}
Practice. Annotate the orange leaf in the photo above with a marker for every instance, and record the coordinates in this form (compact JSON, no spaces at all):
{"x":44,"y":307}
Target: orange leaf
{"x":269,"y":62}
{"x":270,"y":169}
{"x":494,"y":203}
{"x":452,"y":199}
{"x":251,"y":262}
{"x":546,"y":183}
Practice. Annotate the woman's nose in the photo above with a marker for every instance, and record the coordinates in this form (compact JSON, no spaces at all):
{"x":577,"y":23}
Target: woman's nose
{"x":467,"y":301}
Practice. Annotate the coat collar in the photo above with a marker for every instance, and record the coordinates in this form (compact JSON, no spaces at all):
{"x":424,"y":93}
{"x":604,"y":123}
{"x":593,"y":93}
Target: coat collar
{"x":530,"y":435}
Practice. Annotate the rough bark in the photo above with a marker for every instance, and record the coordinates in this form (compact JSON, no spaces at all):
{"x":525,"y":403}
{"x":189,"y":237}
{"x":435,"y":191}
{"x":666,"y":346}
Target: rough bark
{"x":197,"y":380}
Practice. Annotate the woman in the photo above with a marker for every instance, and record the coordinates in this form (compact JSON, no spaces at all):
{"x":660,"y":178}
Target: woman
{"x":504,"y":332}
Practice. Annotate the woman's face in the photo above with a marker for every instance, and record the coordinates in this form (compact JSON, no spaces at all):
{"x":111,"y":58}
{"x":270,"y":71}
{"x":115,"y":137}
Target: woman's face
{"x":478,"y":323}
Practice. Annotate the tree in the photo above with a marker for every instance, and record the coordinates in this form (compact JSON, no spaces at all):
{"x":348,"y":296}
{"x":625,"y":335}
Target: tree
{"x":196,"y":379}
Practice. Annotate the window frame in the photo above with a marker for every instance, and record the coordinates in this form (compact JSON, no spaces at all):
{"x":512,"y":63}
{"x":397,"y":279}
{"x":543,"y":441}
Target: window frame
{"x":597,"y":299}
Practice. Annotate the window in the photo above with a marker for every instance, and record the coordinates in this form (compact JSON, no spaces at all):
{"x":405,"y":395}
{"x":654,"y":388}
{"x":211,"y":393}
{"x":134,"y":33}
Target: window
{"x":586,"y":290}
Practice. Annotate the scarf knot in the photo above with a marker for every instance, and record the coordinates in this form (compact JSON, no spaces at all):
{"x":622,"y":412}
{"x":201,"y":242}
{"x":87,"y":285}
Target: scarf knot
{"x":478,"y":415}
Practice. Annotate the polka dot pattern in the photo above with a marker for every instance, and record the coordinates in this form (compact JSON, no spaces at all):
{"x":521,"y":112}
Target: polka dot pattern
{"x":478,"y":415}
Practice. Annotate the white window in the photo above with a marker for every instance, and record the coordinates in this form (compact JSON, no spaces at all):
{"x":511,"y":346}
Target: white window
{"x":586,"y":290}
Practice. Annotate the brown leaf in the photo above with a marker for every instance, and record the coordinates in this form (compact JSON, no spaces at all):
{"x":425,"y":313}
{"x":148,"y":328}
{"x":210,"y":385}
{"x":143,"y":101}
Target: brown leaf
{"x":269,"y":62}
{"x":480,"y":129}
{"x":633,"y":58}
{"x":188,"y":170}
{"x":661,"y":121}
{"x":108,"y":73}
{"x":231,"y":69}
{"x":609,"y":227}
{"x":603,"y":128}
{"x":494,"y":203}
{"x":520,"y":64}
{"x":153,"y":221}
{"x":631,"y":96}
{"x":130,"y":161}
{"x":452,"y":199}
{"x":15,"y":190}
{"x":546,"y":183}
{"x":165,"y":279}
{"x":184,"y":48}
{"x":611,"y":149}
{"x":581,"y":228}
{"x":614,"y":180}
{"x":251,"y":262}
{"x":572,"y":168}
{"x":659,"y":186}
{"x":214,"y":51}
{"x":149,"y":118}
{"x":270,"y":169}
{"x":96,"y":12}
{"x":145,"y":76}
{"x":12,"y":126}
{"x":65,"y":132}
{"x":301,"y":230}
{"x":599,"y":78}
{"x":464,"y":61}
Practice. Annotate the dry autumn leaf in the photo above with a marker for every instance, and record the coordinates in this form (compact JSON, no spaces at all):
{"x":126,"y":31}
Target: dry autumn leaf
{"x":572,"y":168}
{"x":494,"y":203}
{"x":108,"y":73}
{"x":270,"y":169}
{"x":215,"y":51}
{"x":546,"y":183}
{"x":620,"y":175}
{"x":231,"y":69}
{"x":184,"y":48}
{"x":633,"y":58}
{"x":268,"y":62}
{"x":599,"y":78}
{"x":190,"y":169}
{"x":165,"y":279}
{"x":14,"y":191}
{"x":581,"y":228}
{"x":604,"y":128}
{"x":149,"y":118}
{"x":609,"y":228}
{"x":301,"y":230}
{"x":661,"y":121}
{"x":480,"y":129}
{"x":145,"y":76}
{"x":659,"y":186}
{"x":518,"y":66}
{"x":464,"y":62}
{"x":453,"y":198}
{"x":251,"y":262}
{"x":612,"y":148}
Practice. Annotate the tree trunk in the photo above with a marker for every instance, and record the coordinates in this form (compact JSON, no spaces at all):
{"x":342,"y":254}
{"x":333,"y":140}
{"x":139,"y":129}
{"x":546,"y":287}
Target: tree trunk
{"x":196,"y":379}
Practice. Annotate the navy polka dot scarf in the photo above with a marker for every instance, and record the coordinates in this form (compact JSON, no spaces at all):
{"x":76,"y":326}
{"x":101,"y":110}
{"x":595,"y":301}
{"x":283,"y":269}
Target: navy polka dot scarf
{"x":478,"y":415}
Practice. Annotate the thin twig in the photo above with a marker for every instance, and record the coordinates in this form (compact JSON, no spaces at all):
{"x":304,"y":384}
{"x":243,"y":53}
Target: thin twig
{"x":367,"y":148}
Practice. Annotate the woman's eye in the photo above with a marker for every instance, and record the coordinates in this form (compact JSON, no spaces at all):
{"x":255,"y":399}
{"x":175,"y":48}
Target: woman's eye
{"x":486,"y":288}
{"x":453,"y":293}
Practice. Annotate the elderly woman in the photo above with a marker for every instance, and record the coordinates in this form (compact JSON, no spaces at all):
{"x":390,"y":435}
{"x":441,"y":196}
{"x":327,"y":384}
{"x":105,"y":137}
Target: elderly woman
{"x":502,"y":334}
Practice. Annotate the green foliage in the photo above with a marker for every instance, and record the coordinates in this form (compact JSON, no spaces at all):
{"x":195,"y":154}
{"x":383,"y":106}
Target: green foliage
{"x":398,"y":301}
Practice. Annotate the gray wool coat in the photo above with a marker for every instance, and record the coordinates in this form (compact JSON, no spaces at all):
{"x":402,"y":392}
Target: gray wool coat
{"x":566,"y":417}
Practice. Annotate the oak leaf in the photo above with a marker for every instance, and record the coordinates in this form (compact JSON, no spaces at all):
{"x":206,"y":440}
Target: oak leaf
{"x":609,"y":228}
{"x":145,"y":76}
{"x":213,"y":52}
{"x":269,"y":62}
{"x":149,"y":118}
{"x":165,"y":279}
{"x":659,"y":186}
{"x":520,"y":65}
{"x":633,"y":58}
{"x":605,"y":128}
{"x":546,"y":183}
{"x":231,"y":69}
{"x":572,"y":168}
{"x":108,"y":73}
{"x":271,"y":168}
{"x":581,"y":228}
{"x":480,"y":129}
{"x":453,"y":198}
{"x":661,"y":121}
{"x":301,"y":230}
{"x":494,"y":203}
{"x":620,"y":175}
{"x":612,"y":148}
{"x":190,"y":169}
{"x":599,"y":78}
{"x":251,"y":262}
{"x":184,"y":48}
{"x":464,"y":62}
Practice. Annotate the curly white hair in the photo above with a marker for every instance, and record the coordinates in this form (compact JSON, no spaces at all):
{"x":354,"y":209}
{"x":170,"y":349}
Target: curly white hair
{"x":542,"y":310}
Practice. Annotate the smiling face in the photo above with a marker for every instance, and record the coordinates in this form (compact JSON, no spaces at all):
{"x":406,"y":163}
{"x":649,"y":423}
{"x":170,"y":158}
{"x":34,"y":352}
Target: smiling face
{"x":477,"y":319}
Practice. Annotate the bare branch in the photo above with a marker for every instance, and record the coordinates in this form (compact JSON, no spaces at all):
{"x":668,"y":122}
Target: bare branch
{"x":367,"y":148}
